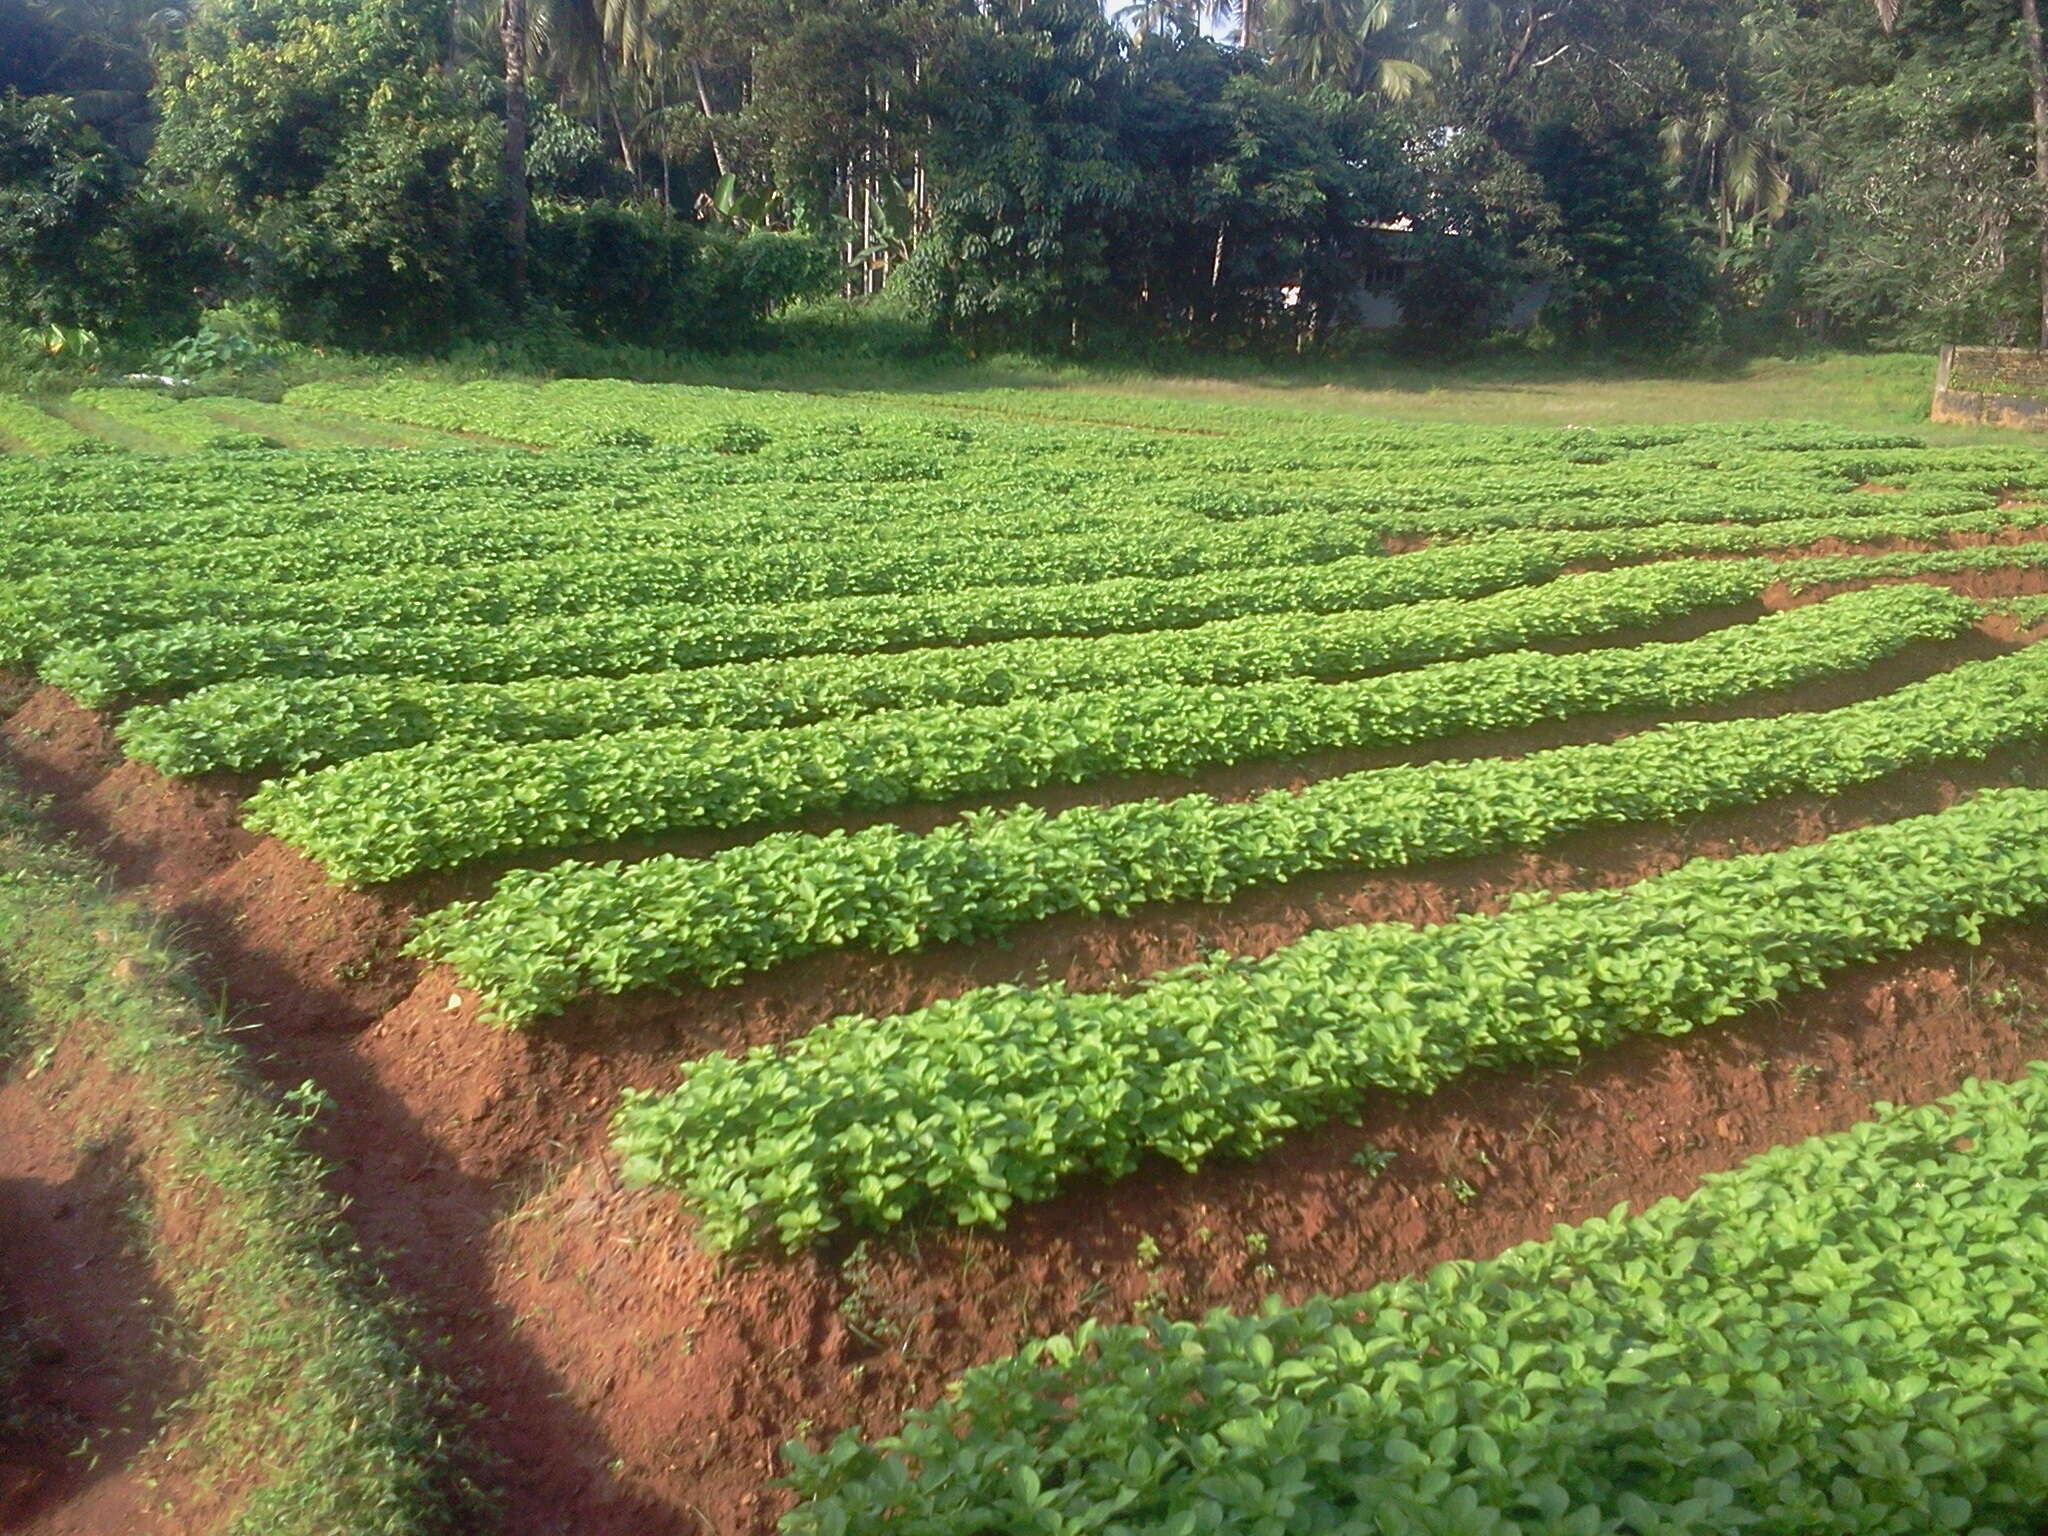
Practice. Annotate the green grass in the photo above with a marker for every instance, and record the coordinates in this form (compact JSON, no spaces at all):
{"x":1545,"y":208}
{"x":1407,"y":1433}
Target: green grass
{"x":1879,"y":392}
{"x":309,"y":1401}
{"x":1871,"y":391}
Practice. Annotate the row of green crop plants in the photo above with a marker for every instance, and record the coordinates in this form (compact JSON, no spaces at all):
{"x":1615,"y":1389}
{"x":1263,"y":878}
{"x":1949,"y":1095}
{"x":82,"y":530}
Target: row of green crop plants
{"x":196,"y":523}
{"x":576,"y":411}
{"x":257,"y":512}
{"x":179,"y":426}
{"x":386,"y":533}
{"x":1839,"y":1337}
{"x":616,"y":615}
{"x":569,"y":411}
{"x":963,"y":1109}
{"x":1241,"y":463}
{"x":26,"y":428}
{"x":59,"y":505}
{"x":397,"y":535}
{"x":272,"y":722}
{"x":266,"y":582}
{"x":268,"y":722}
{"x":438,"y":806}
{"x":156,"y":422}
{"x":545,"y":937}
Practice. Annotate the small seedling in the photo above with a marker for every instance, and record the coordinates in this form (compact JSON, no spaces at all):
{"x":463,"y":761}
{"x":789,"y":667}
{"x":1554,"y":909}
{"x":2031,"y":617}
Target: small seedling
{"x":866,"y":1316}
{"x":1374,"y":1160}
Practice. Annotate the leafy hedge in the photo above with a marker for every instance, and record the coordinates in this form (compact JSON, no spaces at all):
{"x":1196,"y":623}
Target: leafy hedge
{"x":967,"y":1107}
{"x":544,"y":937}
{"x":631,"y":273}
{"x":1839,"y":1337}
{"x":392,"y":814}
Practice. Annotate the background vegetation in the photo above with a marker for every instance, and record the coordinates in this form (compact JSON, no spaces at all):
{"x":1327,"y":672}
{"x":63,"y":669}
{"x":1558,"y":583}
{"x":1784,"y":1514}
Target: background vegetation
{"x":1680,"y":179}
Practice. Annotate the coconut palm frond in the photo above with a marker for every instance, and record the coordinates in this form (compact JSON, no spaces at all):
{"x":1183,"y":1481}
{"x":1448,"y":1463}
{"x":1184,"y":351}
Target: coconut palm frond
{"x":1401,"y":79}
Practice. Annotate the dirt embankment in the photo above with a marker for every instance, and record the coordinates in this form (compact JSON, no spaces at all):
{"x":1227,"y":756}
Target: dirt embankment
{"x":628,"y":1383}
{"x":84,"y":1310}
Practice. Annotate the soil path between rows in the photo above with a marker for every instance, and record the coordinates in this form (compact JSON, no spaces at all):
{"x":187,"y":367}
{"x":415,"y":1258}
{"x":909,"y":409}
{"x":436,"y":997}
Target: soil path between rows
{"x":629,"y":1384}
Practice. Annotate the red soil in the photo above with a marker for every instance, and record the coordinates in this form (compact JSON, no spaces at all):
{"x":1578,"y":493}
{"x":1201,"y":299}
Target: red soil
{"x":86,"y":1303}
{"x":628,"y":1384}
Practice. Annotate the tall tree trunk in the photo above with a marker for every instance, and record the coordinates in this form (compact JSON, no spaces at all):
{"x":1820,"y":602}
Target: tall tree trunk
{"x":2037,"y":69}
{"x":710,"y":122}
{"x":610,"y":87}
{"x":512,"y":32}
{"x":668,"y":196}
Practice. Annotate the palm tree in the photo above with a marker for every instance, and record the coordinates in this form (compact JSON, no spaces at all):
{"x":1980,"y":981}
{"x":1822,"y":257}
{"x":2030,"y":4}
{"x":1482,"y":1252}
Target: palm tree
{"x":1144,"y":18}
{"x":1358,"y":46}
{"x":565,"y":43}
{"x":1743,"y":161}
{"x":581,"y":58}
{"x":662,"y":55}
{"x":1245,"y":20}
{"x":512,"y":33}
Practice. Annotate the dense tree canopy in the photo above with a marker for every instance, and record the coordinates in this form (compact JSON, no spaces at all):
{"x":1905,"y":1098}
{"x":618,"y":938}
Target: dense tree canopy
{"x":1671,"y":174}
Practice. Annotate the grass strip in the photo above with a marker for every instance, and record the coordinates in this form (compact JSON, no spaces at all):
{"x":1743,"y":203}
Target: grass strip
{"x":309,"y":1395}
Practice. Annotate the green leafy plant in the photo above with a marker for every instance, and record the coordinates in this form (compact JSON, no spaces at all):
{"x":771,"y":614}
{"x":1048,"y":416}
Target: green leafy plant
{"x":75,"y":346}
{"x":209,"y":352}
{"x":1838,"y":1337}
{"x":543,"y":937}
{"x":1374,"y":1160}
{"x":963,"y":1109}
{"x":434,"y":807}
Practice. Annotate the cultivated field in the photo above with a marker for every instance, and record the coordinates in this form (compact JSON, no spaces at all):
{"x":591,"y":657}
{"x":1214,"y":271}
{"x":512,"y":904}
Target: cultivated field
{"x":793,"y":898}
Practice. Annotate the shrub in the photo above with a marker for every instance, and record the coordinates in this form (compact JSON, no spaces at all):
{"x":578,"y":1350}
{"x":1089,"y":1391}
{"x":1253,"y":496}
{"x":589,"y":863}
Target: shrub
{"x":622,"y":272}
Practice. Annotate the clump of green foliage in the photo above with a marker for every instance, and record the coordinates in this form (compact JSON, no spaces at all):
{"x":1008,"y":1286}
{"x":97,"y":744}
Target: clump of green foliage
{"x":328,"y":139}
{"x":77,"y":247}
